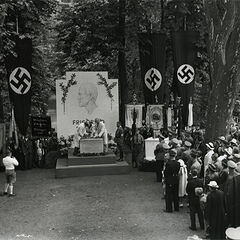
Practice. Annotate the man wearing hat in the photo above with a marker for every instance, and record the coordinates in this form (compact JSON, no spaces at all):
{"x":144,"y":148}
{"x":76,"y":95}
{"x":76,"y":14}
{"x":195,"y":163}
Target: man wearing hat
{"x":172,"y":181}
{"x":208,"y":156}
{"x":236,"y":157}
{"x":211,"y":174}
{"x":215,"y":212}
{"x":159,"y":152}
{"x":194,"y":200}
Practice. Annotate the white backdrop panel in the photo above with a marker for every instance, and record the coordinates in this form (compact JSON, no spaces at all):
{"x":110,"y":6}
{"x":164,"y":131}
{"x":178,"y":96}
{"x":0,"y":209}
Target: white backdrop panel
{"x":87,"y":99}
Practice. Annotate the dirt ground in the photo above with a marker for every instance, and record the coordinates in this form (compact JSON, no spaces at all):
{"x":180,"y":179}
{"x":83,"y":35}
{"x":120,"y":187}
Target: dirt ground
{"x":89,"y":208}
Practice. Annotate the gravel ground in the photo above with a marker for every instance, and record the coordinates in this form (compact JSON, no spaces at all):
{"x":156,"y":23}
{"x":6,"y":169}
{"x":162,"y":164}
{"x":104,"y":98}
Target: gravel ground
{"x":89,"y":208}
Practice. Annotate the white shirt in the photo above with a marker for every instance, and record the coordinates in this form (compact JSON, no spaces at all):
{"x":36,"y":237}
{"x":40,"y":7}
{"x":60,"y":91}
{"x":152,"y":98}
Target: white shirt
{"x":207,"y":160}
{"x":10,"y":162}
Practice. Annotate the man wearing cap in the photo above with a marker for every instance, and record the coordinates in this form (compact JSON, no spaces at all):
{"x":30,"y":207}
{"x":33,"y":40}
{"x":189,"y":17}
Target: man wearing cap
{"x":159,"y":152}
{"x":208,"y":156}
{"x":194,"y":200}
{"x":215,"y":212}
{"x":172,"y":181}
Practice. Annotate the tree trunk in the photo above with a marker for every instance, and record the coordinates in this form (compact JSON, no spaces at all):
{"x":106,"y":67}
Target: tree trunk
{"x":122,"y":61}
{"x":224,"y":54}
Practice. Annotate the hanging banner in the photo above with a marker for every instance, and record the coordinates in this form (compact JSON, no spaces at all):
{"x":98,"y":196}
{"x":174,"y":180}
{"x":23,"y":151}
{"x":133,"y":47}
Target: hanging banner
{"x":154,"y":116}
{"x":20,"y":82}
{"x":152,"y":60}
{"x":129,"y":109}
{"x":184,"y":60}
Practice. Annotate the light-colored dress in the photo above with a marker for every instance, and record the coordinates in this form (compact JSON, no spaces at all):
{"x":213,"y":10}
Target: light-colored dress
{"x":182,"y":179}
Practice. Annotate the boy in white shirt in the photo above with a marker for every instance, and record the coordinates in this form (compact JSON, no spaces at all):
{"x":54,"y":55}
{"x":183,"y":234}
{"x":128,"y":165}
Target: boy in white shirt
{"x":9,"y":162}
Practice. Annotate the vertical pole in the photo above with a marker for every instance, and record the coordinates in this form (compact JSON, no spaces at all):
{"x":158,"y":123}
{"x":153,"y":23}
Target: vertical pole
{"x":122,"y":62}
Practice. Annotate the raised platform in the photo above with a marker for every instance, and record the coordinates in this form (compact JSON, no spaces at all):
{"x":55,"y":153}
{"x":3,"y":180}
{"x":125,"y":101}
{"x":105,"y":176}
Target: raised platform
{"x":109,"y":158}
{"x":63,"y":170}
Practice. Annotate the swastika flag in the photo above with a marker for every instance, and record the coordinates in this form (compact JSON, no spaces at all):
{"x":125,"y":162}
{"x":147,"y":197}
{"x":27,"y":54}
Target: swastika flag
{"x":152,"y":60}
{"x":184,"y":68}
{"x":20,"y":82}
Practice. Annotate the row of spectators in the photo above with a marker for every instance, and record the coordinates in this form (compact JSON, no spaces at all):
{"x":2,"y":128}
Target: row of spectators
{"x":208,"y":173}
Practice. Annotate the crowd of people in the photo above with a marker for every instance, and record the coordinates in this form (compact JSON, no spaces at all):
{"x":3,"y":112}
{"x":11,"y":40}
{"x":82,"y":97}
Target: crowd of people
{"x":207,"y":175}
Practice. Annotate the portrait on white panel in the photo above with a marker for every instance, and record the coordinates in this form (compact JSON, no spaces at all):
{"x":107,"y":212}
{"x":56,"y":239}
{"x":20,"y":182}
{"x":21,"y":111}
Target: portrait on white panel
{"x":86,"y":95}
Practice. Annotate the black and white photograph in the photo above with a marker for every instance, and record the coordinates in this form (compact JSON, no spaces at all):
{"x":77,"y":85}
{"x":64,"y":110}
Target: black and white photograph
{"x":120,"y":119}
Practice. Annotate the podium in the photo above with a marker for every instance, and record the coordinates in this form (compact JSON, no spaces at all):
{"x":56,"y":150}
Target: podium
{"x":150,"y":146}
{"x":91,"y":145}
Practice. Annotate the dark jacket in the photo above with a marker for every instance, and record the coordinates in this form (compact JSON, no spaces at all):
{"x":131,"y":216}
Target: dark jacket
{"x":192,"y":184}
{"x":171,"y":172}
{"x":215,"y":214}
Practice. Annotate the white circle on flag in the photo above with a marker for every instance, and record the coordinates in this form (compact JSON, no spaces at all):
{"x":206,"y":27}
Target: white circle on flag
{"x":20,"y":80}
{"x":185,"y":74}
{"x":153,"y":79}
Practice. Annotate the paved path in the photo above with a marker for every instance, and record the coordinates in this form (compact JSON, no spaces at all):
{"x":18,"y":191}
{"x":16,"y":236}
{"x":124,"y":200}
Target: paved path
{"x":92,"y":208}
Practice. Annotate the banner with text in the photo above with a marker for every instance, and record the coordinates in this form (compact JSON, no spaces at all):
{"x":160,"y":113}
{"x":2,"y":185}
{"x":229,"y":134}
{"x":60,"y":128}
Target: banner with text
{"x":41,"y":126}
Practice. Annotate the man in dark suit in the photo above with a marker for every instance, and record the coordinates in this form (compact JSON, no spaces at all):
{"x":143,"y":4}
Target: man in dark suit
{"x":215,"y":212}
{"x":160,"y":151}
{"x":194,"y":200}
{"x":172,"y":181}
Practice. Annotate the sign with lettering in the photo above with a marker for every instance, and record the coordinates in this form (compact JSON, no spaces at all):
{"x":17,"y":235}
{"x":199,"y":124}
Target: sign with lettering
{"x":41,"y":126}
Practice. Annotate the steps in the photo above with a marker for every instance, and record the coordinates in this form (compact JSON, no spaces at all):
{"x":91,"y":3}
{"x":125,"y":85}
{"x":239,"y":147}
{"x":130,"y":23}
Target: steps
{"x":76,"y":166}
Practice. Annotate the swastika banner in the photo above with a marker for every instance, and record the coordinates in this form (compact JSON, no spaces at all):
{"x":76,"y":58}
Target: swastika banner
{"x":152,"y":59}
{"x":20,"y":82}
{"x":184,"y":68}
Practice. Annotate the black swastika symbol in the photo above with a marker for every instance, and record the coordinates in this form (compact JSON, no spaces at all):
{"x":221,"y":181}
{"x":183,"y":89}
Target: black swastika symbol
{"x":153,"y":79}
{"x":21,"y":81}
{"x":186,"y":74}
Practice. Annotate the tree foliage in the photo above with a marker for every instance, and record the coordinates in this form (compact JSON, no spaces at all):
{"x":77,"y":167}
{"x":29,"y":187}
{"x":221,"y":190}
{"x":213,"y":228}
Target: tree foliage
{"x":27,"y":18}
{"x":223,"y":19}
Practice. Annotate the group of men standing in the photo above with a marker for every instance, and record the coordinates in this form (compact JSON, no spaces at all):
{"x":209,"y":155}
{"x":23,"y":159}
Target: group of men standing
{"x":212,"y":184}
{"x":91,"y":129}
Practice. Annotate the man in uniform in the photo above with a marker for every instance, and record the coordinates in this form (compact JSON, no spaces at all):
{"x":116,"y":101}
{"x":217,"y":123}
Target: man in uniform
{"x":119,"y":140}
{"x":172,"y":181}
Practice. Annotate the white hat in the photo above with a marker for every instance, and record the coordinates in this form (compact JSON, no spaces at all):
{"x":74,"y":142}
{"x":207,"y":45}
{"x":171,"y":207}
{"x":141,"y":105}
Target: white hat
{"x":234,"y":141}
{"x":182,"y":164}
{"x":213,"y":184}
{"x":233,"y":233}
{"x":210,"y":145}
